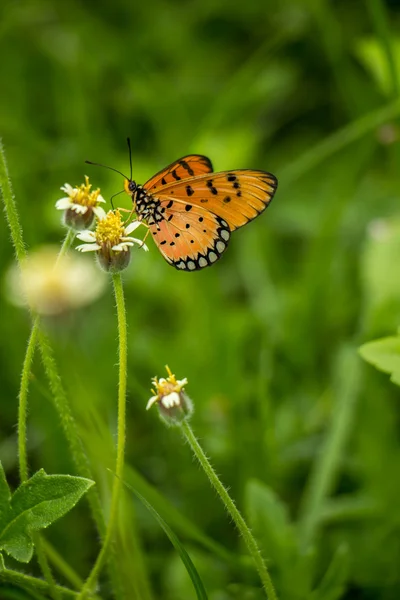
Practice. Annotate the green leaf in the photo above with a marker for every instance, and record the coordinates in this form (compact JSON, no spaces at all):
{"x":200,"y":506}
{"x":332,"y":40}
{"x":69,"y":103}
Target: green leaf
{"x":384,"y":354}
{"x":36,"y":504}
{"x":333,"y":583}
{"x":5,"y":496}
{"x":187,"y":561}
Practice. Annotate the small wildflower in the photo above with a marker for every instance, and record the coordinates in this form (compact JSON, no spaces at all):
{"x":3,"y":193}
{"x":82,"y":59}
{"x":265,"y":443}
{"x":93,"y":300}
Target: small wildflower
{"x":51,"y":285}
{"x":111,"y":241}
{"x":169,"y":395}
{"x":81,"y":205}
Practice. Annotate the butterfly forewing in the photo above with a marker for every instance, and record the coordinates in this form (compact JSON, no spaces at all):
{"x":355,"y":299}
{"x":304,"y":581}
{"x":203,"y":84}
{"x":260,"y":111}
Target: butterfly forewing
{"x":184,"y":168}
{"x":235,"y":196}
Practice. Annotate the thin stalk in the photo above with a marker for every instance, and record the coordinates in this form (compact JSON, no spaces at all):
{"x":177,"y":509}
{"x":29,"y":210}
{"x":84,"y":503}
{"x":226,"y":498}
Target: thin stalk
{"x":232,"y":510}
{"x":28,"y":582}
{"x":23,"y":401}
{"x":66,"y":245}
{"x":45,"y":567}
{"x":69,"y":426}
{"x":61,"y":565}
{"x":22,"y":428}
{"x":117,"y":483}
{"x":59,"y":396}
{"x":21,"y":255}
{"x":26,"y":371}
{"x":10,"y":208}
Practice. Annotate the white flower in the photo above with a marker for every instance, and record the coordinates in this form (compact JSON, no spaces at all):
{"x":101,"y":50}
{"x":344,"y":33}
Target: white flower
{"x":111,"y":241}
{"x":173,"y":404}
{"x":81,"y":205}
{"x":52,"y":285}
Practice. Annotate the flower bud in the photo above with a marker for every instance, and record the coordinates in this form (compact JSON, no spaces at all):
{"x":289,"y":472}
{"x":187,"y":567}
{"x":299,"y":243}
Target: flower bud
{"x":173,"y":404}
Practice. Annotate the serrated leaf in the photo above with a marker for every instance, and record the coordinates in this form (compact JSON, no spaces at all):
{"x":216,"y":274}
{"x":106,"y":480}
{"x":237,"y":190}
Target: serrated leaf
{"x":187,"y":561}
{"x":384,"y":354}
{"x":333,"y":583}
{"x":36,"y":504}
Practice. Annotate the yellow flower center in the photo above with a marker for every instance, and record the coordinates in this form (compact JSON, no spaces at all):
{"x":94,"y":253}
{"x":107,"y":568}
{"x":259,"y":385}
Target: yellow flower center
{"x":110,"y":229}
{"x":82,"y":194}
{"x":164,"y":387}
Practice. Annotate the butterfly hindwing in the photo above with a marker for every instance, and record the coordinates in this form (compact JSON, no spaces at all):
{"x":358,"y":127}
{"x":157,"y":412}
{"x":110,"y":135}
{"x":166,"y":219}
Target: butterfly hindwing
{"x":191,"y":240}
{"x":184,"y":168}
{"x":235,"y":196}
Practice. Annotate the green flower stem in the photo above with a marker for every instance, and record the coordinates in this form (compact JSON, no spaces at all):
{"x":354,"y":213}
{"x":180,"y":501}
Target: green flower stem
{"x":33,"y":583}
{"x":22,"y":418}
{"x":10,"y":208}
{"x":116,"y":492}
{"x":26,"y":371}
{"x":23,"y":401}
{"x":66,"y":245}
{"x":59,"y":396}
{"x":21,"y":254}
{"x":232,"y":510}
{"x":69,"y":426}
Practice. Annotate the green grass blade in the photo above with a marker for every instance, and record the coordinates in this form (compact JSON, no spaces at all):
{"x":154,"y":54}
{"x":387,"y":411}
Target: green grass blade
{"x":187,"y":561}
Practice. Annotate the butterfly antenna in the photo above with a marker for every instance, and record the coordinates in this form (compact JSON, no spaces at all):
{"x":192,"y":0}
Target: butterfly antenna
{"x":113,"y":196}
{"x":130,"y":154}
{"x":89,"y":162}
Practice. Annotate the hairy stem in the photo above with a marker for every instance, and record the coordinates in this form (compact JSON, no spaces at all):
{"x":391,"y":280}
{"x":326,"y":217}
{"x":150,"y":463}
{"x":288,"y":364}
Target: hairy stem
{"x":116,"y":491}
{"x":232,"y":510}
{"x":33,"y":583}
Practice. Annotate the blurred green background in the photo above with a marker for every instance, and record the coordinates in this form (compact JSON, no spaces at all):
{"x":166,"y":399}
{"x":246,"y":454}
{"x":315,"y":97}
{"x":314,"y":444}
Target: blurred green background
{"x":302,"y":431}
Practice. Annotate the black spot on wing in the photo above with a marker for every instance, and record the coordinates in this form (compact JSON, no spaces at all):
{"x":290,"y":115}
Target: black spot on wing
{"x":210,"y":255}
{"x":187,"y":167}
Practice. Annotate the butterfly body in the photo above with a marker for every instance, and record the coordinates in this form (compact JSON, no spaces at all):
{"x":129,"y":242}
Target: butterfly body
{"x":192,"y":211}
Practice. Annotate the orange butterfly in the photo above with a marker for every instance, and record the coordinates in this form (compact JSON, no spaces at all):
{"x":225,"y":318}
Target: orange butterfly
{"x":192,"y":211}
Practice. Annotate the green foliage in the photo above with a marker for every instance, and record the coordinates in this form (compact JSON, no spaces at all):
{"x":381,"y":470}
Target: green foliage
{"x":267,"y":337}
{"x":384,"y":354}
{"x":35,"y":505}
{"x":184,"y":556}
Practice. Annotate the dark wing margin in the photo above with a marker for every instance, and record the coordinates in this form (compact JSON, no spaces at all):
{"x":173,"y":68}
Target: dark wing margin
{"x":183,"y":168}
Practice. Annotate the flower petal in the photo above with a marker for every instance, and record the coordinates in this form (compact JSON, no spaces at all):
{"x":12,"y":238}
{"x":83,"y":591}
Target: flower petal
{"x":99,"y":212}
{"x":152,"y":401}
{"x":88,"y":247}
{"x":68,"y":189}
{"x":79,"y":208}
{"x":100,"y":198}
{"x":140,"y":243}
{"x":86,"y":236}
{"x":132,"y":226}
{"x":122,"y":247}
{"x":63,"y":204}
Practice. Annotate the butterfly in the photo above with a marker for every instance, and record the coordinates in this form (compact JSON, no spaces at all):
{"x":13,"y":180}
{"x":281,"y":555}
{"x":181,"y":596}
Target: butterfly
{"x":191,"y":211}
